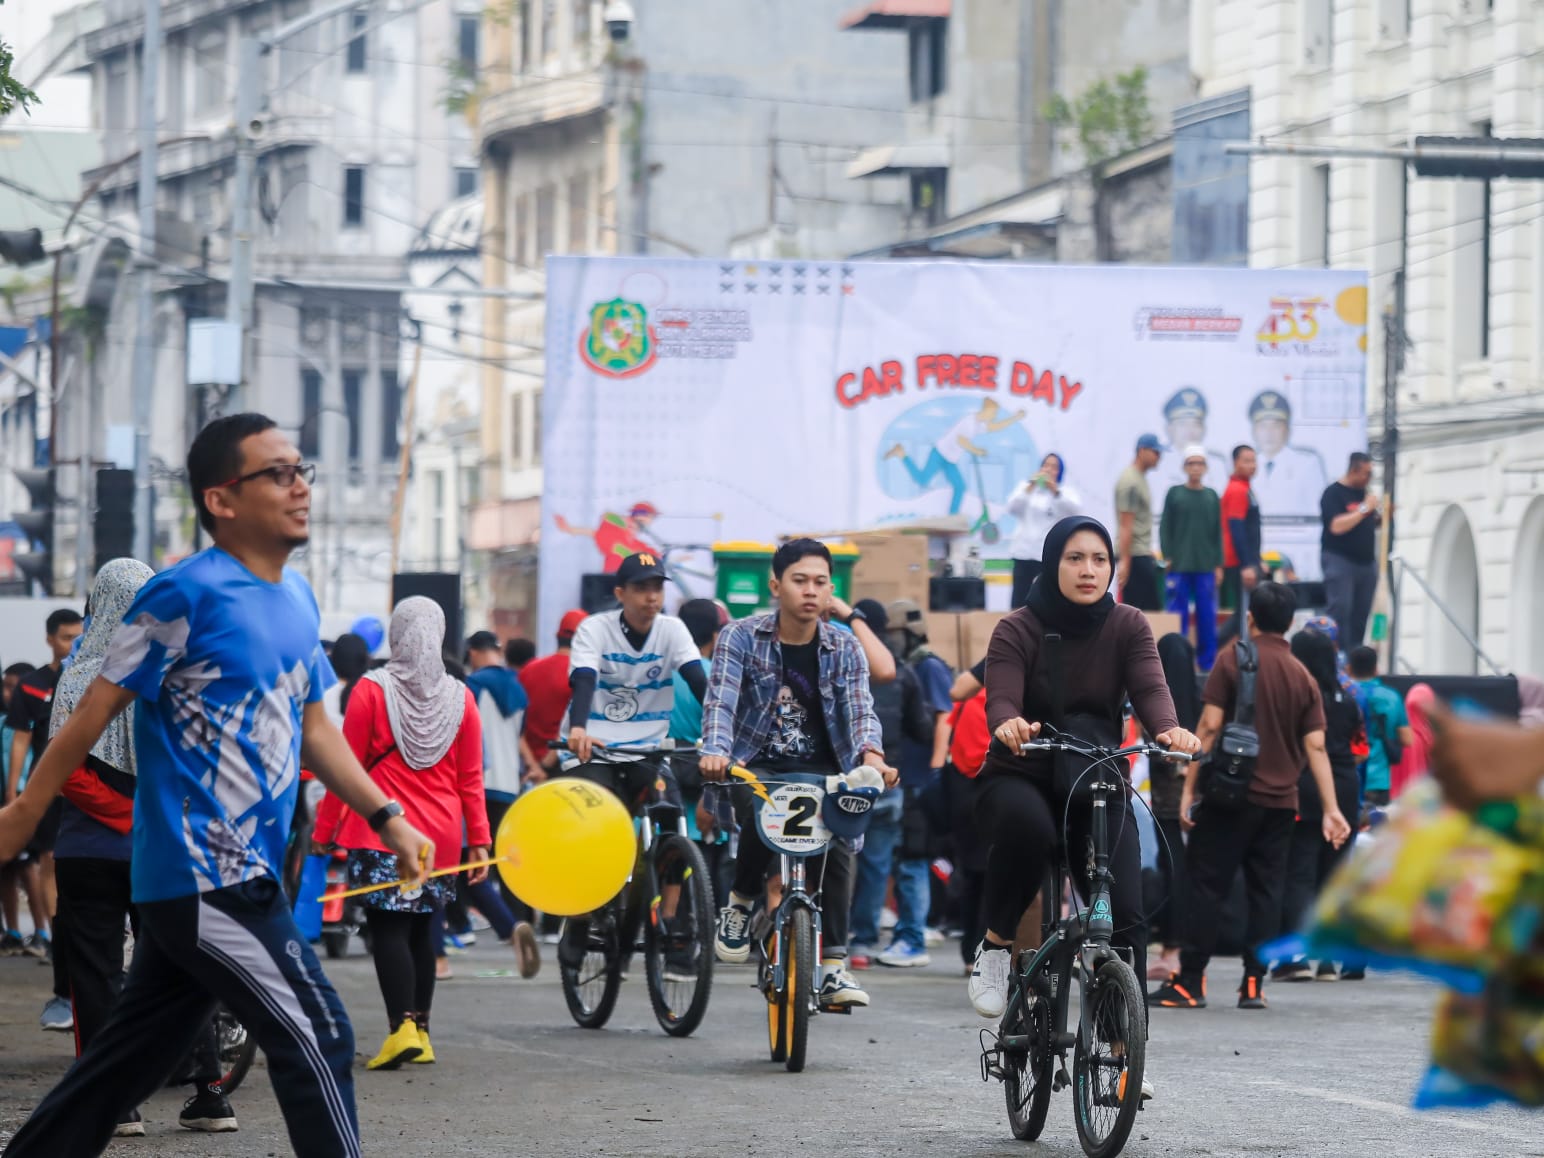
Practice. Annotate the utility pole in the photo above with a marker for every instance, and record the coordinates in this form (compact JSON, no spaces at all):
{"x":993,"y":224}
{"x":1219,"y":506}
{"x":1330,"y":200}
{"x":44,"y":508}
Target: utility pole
{"x":144,"y":264}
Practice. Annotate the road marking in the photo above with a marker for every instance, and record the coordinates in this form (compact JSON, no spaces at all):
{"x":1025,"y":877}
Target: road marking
{"x":1393,"y":1109}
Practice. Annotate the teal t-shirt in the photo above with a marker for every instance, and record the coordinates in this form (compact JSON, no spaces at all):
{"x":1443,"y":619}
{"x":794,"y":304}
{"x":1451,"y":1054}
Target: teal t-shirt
{"x":686,"y":715}
{"x":1385,"y":716}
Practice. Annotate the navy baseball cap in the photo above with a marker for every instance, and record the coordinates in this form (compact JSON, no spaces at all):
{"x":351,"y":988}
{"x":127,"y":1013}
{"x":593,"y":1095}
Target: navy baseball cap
{"x":638,"y":568}
{"x":1150,"y":442}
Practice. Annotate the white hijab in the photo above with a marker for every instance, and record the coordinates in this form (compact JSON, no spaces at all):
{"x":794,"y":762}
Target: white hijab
{"x":424,"y":703}
{"x":117,"y":583}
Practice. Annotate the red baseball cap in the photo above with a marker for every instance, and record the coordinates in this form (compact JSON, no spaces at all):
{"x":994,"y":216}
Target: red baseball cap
{"x":570,"y":623}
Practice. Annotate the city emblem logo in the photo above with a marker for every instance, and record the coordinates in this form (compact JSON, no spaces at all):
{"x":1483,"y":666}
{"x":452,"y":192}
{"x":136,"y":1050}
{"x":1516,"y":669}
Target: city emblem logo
{"x":619,"y":341}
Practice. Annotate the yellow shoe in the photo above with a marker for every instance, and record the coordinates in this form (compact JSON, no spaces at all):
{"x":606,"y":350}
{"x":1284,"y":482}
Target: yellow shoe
{"x":426,"y":1058}
{"x":404,"y":1045}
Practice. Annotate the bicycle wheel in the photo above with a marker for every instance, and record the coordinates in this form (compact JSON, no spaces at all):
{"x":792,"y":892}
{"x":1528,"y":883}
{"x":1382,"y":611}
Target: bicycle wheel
{"x":679,"y":955}
{"x":797,"y":992}
{"x":1027,"y":1083}
{"x":591,"y":989}
{"x":234,"y":1049}
{"x":1108,"y":1061}
{"x":777,"y":1024}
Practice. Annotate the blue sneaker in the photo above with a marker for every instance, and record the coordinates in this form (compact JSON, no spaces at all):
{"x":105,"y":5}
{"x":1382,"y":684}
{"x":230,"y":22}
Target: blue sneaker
{"x":901,"y":955}
{"x":733,"y":943}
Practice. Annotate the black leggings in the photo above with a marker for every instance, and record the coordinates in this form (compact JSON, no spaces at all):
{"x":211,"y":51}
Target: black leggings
{"x":832,"y":873}
{"x":1018,"y":822}
{"x":404,"y":963}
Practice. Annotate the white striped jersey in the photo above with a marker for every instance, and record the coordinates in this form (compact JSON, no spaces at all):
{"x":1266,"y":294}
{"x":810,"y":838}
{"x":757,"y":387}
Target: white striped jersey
{"x":635,"y":689}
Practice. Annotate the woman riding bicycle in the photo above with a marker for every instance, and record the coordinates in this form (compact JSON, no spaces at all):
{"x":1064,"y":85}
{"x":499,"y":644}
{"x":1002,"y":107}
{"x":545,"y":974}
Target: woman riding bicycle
{"x":1106,"y":655}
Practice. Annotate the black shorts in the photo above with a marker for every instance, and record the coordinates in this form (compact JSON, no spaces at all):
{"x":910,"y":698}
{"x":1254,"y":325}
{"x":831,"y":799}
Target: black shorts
{"x":638,"y":784}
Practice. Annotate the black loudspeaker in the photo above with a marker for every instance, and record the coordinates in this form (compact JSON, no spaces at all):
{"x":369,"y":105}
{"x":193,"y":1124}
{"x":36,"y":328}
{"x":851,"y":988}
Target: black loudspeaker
{"x":444,"y":587}
{"x":113,"y":522}
{"x":1310,"y":594}
{"x":1495,"y":694}
{"x":956,"y":593}
{"x":596,"y":593}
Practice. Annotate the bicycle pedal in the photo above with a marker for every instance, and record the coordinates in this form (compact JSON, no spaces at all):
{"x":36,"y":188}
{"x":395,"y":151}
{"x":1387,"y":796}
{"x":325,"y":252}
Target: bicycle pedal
{"x":845,"y":1010}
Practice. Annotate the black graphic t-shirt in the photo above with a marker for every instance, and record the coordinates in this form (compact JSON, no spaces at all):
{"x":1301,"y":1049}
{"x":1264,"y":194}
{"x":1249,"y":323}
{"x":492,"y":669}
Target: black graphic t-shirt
{"x":799,"y":735}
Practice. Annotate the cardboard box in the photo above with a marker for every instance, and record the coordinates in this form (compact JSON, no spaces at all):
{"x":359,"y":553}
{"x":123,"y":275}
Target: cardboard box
{"x":1163,"y":623}
{"x":961,"y":639}
{"x":892,"y":565}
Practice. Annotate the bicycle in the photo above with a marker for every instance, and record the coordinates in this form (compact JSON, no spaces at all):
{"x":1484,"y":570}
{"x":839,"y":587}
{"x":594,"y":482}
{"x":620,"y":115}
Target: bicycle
{"x":235,"y":1048}
{"x":791,"y":814}
{"x":669,"y":886}
{"x":1110,"y":1044}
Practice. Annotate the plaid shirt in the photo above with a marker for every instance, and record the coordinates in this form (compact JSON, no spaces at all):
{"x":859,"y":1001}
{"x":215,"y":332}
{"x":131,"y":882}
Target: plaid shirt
{"x":737,"y":717}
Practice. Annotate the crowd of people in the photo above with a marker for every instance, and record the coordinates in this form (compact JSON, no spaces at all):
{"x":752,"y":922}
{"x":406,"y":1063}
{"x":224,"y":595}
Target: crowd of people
{"x":154,"y":764}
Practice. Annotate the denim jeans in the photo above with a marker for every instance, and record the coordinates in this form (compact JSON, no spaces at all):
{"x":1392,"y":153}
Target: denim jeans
{"x":874,"y":864}
{"x":913,"y":896}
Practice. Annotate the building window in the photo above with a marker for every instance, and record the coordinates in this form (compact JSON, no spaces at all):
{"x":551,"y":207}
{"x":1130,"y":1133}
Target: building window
{"x":517,"y":430}
{"x":524,"y":34}
{"x":209,"y":73}
{"x":579,"y":214}
{"x":928,"y":188}
{"x":546,"y":214}
{"x":549,"y":29}
{"x":928,"y":43}
{"x":354,"y":195}
{"x":1471,"y":267}
{"x":466,"y":181}
{"x":1315,"y":241}
{"x":466,"y":43}
{"x":353,"y":401}
{"x":1318,"y":31}
{"x":437,"y":513}
{"x":115,"y":101}
{"x":357,"y":20}
{"x":1393,"y":20}
{"x":310,"y":414}
{"x":583,"y":26}
{"x":536,"y":428}
{"x":391,"y":415}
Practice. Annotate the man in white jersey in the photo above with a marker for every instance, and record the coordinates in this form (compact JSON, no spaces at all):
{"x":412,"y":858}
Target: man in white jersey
{"x":621,"y":670}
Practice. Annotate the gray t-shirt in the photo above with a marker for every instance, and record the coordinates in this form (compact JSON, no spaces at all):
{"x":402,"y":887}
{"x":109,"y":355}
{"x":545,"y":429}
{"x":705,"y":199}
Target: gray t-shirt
{"x":1132,"y":497}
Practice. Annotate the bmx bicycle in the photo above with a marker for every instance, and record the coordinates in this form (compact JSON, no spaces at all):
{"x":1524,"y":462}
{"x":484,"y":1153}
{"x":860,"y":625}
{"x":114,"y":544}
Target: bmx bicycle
{"x":669,"y":899}
{"x":1028,"y":1052}
{"x":795,"y":815}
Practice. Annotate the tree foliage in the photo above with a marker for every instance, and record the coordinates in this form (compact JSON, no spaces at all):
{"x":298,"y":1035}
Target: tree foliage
{"x":13,"y":94}
{"x":1110,"y":117}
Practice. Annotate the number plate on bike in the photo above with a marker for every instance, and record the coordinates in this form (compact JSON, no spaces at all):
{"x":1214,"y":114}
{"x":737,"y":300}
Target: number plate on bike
{"x":790,"y":821}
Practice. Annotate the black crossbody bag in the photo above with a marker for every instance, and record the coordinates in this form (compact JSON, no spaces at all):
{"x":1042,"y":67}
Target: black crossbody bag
{"x":1231,"y":767}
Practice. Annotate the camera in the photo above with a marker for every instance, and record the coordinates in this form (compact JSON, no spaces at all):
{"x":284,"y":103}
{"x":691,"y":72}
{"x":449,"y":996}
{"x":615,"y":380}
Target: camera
{"x":619,"y":17}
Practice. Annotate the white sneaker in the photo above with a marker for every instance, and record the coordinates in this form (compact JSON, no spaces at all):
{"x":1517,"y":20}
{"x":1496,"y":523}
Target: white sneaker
{"x":1148,"y":1092}
{"x":839,"y":988}
{"x":988,"y":984}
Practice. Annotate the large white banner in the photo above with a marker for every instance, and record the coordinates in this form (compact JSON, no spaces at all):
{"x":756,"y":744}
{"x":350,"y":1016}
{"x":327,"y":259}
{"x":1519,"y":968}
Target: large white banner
{"x":694,"y":401}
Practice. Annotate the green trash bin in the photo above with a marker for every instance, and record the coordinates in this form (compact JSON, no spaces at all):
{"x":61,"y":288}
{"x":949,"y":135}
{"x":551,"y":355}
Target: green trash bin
{"x":844,"y":557}
{"x":743,"y":571}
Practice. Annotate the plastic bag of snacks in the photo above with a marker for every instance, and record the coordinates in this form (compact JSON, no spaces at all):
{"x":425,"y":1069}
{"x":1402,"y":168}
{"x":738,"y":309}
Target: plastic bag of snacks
{"x":1487,"y":1047}
{"x":1439,"y":892}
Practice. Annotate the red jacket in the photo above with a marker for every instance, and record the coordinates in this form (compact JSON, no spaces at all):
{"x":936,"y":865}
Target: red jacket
{"x":436,"y":800}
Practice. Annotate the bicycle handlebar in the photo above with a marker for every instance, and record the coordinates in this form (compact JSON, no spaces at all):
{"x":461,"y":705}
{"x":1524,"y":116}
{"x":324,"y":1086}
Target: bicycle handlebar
{"x":666,"y":748}
{"x":1096,"y":751}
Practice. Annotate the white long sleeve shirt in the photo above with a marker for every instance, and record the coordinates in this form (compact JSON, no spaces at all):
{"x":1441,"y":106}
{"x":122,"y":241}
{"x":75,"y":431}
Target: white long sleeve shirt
{"x":1037,"y":511}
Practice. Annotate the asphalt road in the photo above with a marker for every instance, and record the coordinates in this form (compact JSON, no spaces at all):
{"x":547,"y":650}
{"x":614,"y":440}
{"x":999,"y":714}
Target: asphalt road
{"x":1328,"y":1070}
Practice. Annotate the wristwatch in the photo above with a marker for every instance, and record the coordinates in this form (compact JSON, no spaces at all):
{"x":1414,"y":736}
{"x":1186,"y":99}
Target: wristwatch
{"x":855,"y":614}
{"x":384,"y":815}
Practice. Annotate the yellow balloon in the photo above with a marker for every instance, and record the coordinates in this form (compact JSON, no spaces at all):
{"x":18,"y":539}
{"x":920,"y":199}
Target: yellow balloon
{"x":1351,"y":306}
{"x":566,"y":847}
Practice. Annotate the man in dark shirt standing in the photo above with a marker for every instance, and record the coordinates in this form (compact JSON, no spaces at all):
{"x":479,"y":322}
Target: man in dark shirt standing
{"x":1349,"y":549}
{"x":1289,"y":719}
{"x":31,"y":708}
{"x":1240,"y":531}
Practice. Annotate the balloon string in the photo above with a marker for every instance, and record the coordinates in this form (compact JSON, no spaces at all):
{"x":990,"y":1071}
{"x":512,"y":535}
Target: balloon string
{"x":444,"y":872}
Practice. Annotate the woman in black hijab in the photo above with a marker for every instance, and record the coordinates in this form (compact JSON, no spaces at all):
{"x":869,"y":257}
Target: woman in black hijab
{"x":1106,"y":655}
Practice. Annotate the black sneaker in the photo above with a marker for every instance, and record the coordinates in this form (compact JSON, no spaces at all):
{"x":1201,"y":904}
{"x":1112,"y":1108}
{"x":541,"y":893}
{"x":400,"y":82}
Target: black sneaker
{"x":1250,"y":994}
{"x":1354,"y":973}
{"x":574,"y":943}
{"x":681,"y":963}
{"x":1176,"y":993}
{"x":131,"y":1125}
{"x":1292,"y":971}
{"x":209,"y":1111}
{"x":1327,"y":972}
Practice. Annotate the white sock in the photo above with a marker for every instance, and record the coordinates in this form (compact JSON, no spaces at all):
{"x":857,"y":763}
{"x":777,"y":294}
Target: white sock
{"x":831,"y":965}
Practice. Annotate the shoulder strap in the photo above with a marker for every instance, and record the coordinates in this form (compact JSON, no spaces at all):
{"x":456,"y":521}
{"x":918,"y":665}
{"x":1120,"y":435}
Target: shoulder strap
{"x":1248,"y":666}
{"x":1051,"y":660}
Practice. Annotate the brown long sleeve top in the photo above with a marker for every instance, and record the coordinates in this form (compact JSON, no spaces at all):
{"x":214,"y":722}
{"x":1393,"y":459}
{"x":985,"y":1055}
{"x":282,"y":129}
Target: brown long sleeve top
{"x":1101,"y":671}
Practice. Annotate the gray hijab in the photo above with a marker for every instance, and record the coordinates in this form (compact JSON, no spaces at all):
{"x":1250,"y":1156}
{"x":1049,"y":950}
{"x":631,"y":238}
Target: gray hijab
{"x":116,"y":586}
{"x":424,"y":704}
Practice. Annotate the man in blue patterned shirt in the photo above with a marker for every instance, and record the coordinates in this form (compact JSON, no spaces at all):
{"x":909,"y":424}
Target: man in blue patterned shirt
{"x":790,"y":693}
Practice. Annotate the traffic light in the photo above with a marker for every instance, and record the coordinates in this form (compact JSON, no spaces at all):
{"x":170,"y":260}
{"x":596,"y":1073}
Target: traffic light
{"x":21,"y":246}
{"x":1488,"y":158}
{"x":113,"y":524}
{"x":37,"y":564}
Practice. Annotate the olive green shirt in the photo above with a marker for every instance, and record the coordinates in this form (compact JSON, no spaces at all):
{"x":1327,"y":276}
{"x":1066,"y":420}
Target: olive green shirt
{"x":1134,"y":498}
